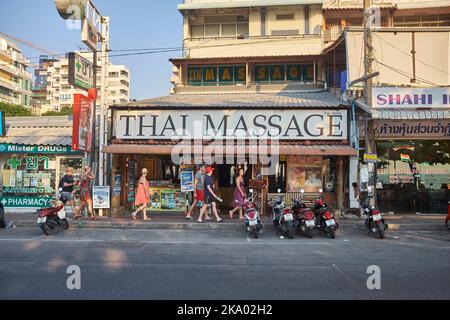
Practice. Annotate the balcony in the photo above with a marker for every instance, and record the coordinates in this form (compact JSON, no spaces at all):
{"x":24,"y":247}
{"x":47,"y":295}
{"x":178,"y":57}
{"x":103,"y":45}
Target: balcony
{"x":226,"y":47}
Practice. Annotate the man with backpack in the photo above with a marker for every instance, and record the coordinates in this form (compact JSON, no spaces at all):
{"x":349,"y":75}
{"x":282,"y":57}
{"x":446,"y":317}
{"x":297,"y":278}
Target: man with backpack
{"x":66,"y":185}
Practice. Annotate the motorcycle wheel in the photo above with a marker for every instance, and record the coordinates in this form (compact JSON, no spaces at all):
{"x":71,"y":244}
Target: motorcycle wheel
{"x":332,"y":233}
{"x":255,"y":233}
{"x":47,"y":229}
{"x":309,"y":233}
{"x":290,"y":231}
{"x":380,"y":228}
{"x":447,"y":224}
{"x":65,"y":224}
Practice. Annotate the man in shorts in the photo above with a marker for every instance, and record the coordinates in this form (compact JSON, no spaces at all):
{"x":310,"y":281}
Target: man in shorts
{"x":211,"y":196}
{"x":199,"y":193}
{"x":66,"y":184}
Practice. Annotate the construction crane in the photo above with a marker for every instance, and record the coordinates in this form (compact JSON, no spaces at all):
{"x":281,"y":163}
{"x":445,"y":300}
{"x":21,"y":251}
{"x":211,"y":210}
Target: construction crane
{"x":29,"y":44}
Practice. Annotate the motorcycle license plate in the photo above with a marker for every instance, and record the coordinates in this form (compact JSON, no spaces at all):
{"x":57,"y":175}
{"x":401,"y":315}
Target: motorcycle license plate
{"x":377,"y":217}
{"x":288,"y":217}
{"x":310,"y":223}
{"x":42,"y":220}
{"x":330,"y":222}
{"x":252,"y":222}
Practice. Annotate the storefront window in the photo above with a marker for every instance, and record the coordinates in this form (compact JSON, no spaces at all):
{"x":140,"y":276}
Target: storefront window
{"x":304,"y":173}
{"x":29,"y":175}
{"x":413,"y":176}
{"x":278,"y":180}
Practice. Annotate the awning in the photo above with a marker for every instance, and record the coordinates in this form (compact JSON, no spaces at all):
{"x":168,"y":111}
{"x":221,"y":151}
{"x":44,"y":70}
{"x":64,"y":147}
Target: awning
{"x":244,"y":4}
{"x":398,"y":114}
{"x":291,"y":149}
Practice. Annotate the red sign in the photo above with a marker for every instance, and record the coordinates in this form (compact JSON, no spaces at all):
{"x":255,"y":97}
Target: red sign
{"x":83,"y":118}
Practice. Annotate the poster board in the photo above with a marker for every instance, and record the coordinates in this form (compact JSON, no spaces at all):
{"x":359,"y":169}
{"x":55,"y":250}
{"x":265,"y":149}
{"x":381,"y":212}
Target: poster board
{"x":304,"y":172}
{"x":101,"y":197}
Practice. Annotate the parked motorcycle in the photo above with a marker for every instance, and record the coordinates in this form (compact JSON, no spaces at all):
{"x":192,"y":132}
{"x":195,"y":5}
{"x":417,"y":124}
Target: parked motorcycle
{"x":283,"y":219}
{"x":51,"y":218}
{"x":303,"y":217}
{"x":252,"y":218}
{"x":374,"y":220}
{"x":325,"y":221}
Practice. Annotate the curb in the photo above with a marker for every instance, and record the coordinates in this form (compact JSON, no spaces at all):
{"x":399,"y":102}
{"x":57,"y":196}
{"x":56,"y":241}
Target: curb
{"x":222,"y":226}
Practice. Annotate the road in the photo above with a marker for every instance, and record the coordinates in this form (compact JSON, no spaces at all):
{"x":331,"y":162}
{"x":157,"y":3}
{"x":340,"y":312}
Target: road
{"x":194,"y":264}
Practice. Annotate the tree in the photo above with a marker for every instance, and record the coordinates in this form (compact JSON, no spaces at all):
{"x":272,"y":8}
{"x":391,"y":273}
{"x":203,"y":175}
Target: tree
{"x":14,"y":110}
{"x":65,"y":111}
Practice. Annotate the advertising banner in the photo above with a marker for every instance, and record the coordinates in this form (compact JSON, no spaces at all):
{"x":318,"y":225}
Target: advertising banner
{"x":101,"y":197}
{"x":81,"y":72}
{"x":83,"y":118}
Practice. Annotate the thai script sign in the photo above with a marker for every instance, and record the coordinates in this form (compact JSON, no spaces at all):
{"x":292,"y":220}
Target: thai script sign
{"x":422,"y":129}
{"x":393,"y":97}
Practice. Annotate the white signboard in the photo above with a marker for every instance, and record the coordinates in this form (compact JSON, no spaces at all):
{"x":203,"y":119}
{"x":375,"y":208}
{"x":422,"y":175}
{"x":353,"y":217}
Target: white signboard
{"x":231,"y":124}
{"x":101,"y":197}
{"x":394,"y":97}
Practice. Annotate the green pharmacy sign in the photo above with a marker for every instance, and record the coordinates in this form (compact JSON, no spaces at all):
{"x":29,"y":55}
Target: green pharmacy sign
{"x":25,"y":202}
{"x":19,"y":148}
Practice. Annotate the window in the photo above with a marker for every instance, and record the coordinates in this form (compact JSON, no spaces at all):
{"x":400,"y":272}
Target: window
{"x":197,"y":31}
{"x":285,"y":32}
{"x":212,"y":30}
{"x":285,"y":16}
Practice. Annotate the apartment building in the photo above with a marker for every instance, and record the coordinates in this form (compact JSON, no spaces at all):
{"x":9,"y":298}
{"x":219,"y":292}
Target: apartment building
{"x":338,"y":14}
{"x":247,"y":66}
{"x":15,"y":80}
{"x":52,"y":90}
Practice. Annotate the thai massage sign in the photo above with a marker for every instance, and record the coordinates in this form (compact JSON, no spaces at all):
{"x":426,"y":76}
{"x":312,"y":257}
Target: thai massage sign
{"x":423,"y":129}
{"x":393,"y":97}
{"x":231,"y":124}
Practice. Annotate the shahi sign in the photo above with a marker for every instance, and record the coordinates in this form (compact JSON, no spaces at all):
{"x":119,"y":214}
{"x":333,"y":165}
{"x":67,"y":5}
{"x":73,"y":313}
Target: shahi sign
{"x":423,"y":129}
{"x":394,"y":97}
{"x":231,"y":124}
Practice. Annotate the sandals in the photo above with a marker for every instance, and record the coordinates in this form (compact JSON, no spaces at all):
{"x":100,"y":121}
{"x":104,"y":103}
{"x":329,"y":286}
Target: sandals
{"x":221,"y":220}
{"x":94,"y":218}
{"x":199,"y":221}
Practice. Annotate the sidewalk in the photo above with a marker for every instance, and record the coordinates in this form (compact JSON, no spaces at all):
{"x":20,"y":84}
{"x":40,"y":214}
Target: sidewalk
{"x":178,"y":222}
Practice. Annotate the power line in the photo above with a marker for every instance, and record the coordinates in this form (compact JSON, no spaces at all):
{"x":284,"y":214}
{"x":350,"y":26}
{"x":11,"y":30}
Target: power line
{"x":405,"y":74}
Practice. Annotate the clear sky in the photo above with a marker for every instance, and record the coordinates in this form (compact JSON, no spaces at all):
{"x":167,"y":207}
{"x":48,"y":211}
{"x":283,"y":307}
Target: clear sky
{"x":134,"y":24}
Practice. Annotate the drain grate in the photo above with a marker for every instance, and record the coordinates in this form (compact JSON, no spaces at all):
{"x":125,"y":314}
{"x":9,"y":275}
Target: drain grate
{"x":121,"y":244}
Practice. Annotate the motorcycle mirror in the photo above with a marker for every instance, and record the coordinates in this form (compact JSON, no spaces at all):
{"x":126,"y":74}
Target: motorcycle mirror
{"x":302,"y":191}
{"x":279,"y":190}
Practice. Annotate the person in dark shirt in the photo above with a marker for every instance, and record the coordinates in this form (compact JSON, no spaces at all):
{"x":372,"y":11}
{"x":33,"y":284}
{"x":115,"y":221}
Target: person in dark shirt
{"x":210,"y":196}
{"x":66,"y":184}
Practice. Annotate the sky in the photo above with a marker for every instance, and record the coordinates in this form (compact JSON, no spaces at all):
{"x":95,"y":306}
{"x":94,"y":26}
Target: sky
{"x":134,"y":24}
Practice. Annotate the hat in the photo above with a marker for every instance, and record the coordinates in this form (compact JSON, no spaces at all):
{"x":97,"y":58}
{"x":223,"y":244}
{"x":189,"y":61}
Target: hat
{"x":209,"y":169}
{"x":144,"y":170}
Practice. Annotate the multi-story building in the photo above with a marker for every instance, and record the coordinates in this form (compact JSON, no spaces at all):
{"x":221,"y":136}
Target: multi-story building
{"x":338,"y":14}
{"x":15,"y":80}
{"x":246,"y":65}
{"x":52,"y":90}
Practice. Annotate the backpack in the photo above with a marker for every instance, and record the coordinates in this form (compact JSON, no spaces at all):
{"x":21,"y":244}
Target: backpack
{"x":61,"y":183}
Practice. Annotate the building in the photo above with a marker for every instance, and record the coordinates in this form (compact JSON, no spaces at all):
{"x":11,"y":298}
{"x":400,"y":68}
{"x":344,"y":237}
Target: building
{"x":409,"y":110}
{"x":15,"y":80}
{"x":34,"y":155}
{"x":339,"y":14}
{"x":52,"y":90}
{"x":246,"y":65}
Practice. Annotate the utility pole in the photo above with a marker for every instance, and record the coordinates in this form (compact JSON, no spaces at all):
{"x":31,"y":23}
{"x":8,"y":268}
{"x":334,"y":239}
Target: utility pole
{"x":103,"y":103}
{"x":368,"y":83}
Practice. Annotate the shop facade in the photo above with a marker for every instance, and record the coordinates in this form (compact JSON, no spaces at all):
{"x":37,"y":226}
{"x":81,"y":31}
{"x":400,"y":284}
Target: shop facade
{"x":412,"y":133}
{"x":34,"y":156}
{"x":283,"y":146}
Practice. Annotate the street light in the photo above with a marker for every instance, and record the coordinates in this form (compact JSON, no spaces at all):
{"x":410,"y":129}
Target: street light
{"x":95,"y":28}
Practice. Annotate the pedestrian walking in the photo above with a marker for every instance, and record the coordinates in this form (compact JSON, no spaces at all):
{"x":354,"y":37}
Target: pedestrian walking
{"x":66,"y":185}
{"x":142,"y":196}
{"x":86,"y":193}
{"x":210,"y":196}
{"x":239,"y":195}
{"x":199,"y":192}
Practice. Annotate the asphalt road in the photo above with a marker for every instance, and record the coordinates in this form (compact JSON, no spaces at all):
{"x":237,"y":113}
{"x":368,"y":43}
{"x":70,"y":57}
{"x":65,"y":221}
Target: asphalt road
{"x":160,"y":264}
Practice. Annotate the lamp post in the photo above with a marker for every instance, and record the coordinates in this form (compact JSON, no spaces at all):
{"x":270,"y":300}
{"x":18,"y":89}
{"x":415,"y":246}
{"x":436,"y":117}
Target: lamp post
{"x":95,"y":29}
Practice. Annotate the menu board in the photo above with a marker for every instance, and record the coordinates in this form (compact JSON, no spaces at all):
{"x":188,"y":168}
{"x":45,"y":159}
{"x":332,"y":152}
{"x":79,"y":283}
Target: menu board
{"x":167,"y":199}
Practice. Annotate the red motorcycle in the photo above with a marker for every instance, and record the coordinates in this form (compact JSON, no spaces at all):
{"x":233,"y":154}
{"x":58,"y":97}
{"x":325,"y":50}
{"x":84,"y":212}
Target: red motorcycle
{"x":324,"y":218}
{"x":303,"y":217}
{"x":51,"y":218}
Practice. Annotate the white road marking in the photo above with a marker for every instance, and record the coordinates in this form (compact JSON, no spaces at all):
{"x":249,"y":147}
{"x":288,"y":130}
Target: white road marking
{"x":346,"y":276}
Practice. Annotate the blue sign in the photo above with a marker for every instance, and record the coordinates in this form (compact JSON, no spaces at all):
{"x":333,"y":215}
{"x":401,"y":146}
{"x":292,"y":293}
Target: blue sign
{"x":2,"y":124}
